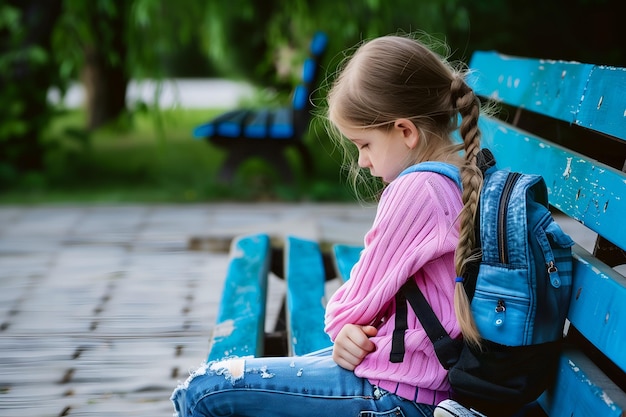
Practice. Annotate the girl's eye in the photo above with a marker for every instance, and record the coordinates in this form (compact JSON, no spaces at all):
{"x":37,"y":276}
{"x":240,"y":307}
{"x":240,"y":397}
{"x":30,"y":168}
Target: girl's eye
{"x":363,"y":146}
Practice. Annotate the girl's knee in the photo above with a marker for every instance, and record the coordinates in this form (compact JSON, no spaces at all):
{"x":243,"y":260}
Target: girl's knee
{"x":231,"y":369}
{"x":210,"y":378}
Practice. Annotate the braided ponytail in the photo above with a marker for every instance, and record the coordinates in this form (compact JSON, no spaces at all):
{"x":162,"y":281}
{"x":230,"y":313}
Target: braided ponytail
{"x":468,"y":106}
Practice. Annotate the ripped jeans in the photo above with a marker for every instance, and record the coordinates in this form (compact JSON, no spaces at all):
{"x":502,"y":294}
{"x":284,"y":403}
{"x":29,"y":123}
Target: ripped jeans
{"x":312,"y":385}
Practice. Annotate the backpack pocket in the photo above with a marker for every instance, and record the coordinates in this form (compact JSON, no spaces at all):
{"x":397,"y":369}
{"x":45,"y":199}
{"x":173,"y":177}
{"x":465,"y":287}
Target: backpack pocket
{"x":502,"y":312}
{"x":553,"y":274}
{"x":556,"y":249}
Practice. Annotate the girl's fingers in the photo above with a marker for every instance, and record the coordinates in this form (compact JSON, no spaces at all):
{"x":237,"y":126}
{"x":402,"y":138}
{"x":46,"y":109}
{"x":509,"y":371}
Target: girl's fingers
{"x":352,"y":345}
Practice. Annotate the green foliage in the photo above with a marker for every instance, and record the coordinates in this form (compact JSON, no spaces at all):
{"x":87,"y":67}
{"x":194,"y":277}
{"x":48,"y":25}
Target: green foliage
{"x":158,"y":30}
{"x":260,"y":41}
{"x":85,"y":26}
{"x":124,"y":163}
{"x":250,"y":38}
{"x":153,"y":30}
{"x":27,"y":69}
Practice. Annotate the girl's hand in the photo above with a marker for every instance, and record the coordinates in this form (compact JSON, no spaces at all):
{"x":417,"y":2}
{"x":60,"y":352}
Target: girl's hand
{"x":352,"y":344}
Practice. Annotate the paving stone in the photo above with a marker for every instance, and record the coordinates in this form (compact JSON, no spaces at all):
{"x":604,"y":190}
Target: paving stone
{"x":104,"y":310}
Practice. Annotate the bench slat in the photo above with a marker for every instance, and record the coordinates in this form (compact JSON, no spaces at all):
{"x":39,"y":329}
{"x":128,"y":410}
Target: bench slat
{"x":209,"y":129}
{"x":584,"y":189}
{"x":567,"y":91}
{"x":533,"y":84}
{"x":240,"y":327}
{"x":604,"y":106}
{"x":344,"y":258}
{"x":582,"y":390}
{"x":305,"y":276}
{"x":282,"y":124}
{"x":257,"y":126}
{"x":232,"y":127}
{"x":597,"y":305}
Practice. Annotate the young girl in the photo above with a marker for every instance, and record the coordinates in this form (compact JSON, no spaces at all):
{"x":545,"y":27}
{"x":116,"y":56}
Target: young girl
{"x":398,"y":103}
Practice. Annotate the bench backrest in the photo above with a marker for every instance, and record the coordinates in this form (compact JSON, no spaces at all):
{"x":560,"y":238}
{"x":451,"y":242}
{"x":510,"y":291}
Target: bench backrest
{"x":565,"y":115}
{"x":301,"y":98}
{"x":581,"y":187}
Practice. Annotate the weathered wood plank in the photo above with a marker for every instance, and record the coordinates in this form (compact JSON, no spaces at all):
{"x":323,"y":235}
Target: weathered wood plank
{"x":582,"y":390}
{"x":587,"y":95}
{"x":240,"y":327}
{"x":552,"y":88}
{"x":344,"y":258}
{"x":584,"y":189}
{"x":597,"y":308}
{"x":305,"y":276}
{"x":604,"y":105}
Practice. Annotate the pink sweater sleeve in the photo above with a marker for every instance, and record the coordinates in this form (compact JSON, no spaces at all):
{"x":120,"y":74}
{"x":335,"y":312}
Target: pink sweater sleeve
{"x":415,"y":233}
{"x":414,"y":224}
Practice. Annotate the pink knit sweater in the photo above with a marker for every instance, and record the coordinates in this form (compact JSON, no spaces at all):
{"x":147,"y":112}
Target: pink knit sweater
{"x":415,"y":233}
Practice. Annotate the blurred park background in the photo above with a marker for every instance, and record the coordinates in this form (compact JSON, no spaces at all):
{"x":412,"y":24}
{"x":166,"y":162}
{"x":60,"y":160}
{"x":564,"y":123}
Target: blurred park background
{"x":115,"y":147}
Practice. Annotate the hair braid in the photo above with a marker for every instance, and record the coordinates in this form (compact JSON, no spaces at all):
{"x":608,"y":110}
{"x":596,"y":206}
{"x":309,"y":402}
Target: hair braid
{"x":468,"y":106}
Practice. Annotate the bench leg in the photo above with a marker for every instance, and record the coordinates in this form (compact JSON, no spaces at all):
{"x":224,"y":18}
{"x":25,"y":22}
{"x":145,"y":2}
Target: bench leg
{"x":272,"y":151}
{"x":275,"y":156}
{"x":233,"y":160}
{"x":305,"y":156}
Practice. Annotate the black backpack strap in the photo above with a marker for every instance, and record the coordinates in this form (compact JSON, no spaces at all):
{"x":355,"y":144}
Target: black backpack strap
{"x":485,"y":160}
{"x":397,"y":340}
{"x":446,"y":348}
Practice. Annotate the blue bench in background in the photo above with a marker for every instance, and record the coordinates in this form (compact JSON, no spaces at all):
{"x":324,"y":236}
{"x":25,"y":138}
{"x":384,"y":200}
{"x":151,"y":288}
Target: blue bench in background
{"x":267,"y":132}
{"x":568,"y":125}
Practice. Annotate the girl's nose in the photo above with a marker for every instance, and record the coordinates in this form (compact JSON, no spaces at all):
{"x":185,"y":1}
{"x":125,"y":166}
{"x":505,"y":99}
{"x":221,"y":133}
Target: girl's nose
{"x":363,"y":160}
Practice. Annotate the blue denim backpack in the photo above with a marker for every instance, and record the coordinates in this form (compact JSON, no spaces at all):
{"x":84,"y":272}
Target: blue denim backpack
{"x":520,"y":290}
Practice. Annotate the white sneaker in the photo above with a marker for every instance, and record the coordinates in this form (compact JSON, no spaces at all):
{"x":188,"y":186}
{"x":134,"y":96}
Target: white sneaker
{"x":450,"y":408}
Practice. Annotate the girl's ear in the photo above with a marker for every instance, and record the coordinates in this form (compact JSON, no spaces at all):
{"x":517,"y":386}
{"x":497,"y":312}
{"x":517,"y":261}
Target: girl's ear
{"x":408,"y":132}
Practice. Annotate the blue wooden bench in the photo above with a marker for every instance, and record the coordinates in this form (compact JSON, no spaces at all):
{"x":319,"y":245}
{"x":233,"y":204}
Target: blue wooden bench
{"x":580,"y":110}
{"x":556,"y":109}
{"x":267,"y":132}
{"x":240,"y":325}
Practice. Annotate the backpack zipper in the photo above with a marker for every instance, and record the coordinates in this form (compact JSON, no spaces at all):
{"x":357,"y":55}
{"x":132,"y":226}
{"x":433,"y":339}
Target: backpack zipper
{"x":511,"y":179}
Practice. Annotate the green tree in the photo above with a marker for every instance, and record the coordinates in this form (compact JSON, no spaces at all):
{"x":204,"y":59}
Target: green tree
{"x":106,"y":43}
{"x":27,"y":69}
{"x":245,"y":38}
{"x":95,"y":35}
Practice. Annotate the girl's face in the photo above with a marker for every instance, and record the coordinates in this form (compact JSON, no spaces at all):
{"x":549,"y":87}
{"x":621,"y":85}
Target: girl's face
{"x":385,"y":152}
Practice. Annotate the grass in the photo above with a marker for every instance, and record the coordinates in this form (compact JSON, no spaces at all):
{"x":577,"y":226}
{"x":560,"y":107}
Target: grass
{"x":149,"y":159}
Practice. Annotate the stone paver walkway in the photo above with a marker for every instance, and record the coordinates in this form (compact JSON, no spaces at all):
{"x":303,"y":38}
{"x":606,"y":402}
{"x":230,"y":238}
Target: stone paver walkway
{"x":103,"y":310}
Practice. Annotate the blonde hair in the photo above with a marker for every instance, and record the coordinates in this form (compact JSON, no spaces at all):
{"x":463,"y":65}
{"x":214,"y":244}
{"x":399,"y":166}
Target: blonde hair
{"x":397,"y":76}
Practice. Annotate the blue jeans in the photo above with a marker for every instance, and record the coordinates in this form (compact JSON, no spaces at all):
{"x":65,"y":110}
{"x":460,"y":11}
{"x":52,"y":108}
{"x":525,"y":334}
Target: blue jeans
{"x":312,"y":385}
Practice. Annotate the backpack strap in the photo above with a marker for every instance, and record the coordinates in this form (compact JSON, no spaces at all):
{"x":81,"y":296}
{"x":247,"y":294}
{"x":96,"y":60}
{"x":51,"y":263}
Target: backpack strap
{"x":411,"y":292}
{"x":446,"y":348}
{"x":401,"y":325}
